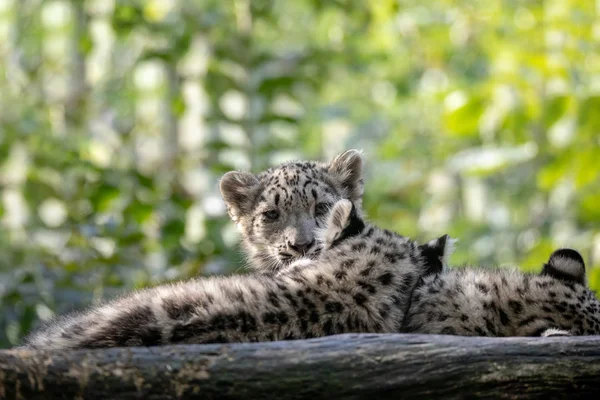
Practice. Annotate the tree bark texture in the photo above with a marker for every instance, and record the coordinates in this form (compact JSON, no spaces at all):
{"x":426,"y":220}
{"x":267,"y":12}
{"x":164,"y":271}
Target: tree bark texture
{"x":335,"y":367}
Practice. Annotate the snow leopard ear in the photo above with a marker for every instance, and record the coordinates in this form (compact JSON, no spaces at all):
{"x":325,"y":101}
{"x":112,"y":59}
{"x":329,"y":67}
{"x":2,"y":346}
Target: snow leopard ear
{"x":436,"y":253}
{"x":239,"y":191}
{"x":342,"y":222}
{"x":553,"y":332}
{"x":347,"y":169}
{"x":567,"y":265}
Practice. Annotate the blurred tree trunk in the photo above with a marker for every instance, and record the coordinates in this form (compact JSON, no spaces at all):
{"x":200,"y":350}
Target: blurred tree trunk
{"x":75,"y":106}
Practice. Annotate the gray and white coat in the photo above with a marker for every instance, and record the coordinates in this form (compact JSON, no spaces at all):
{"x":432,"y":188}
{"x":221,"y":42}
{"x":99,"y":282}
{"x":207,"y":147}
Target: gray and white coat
{"x":361,"y":282}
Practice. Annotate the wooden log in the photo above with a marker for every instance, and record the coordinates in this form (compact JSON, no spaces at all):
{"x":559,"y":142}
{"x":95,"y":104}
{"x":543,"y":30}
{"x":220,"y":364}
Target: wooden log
{"x":336,"y":367}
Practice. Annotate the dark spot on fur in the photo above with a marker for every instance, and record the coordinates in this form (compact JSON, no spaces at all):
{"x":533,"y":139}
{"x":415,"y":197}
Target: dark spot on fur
{"x":358,"y":246}
{"x":297,"y":279}
{"x":561,"y":308}
{"x":275,"y":318}
{"x":290,"y":299}
{"x":328,"y":327}
{"x":304,"y":327}
{"x":527,"y":321}
{"x":515,"y":306}
{"x":368,"y":269}
{"x":333,"y":307}
{"x":219,"y":338}
{"x":308,"y":303}
{"x":320,"y":279}
{"x":183,"y":332}
{"x":480,"y":331}
{"x":546,"y":309}
{"x":392,"y":257}
{"x":542,"y":285}
{"x":448,"y":331}
{"x":314,"y":316}
{"x":76,"y":329}
{"x":247,"y":322}
{"x":137,"y":327}
{"x":386,"y":278}
{"x":282,"y":287}
{"x":178,"y":310}
{"x":482,"y":288}
{"x":360,"y":299}
{"x":384,"y":310}
{"x":367,"y":286}
{"x":273,"y":299}
{"x":339,"y":274}
{"x":496,"y":289}
{"x":415,"y":259}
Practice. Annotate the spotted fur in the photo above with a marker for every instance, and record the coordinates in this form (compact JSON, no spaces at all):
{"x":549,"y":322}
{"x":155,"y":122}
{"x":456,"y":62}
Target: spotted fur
{"x":492,"y":302}
{"x":279,"y":210}
{"x":361,"y":282}
{"x":507,"y":302}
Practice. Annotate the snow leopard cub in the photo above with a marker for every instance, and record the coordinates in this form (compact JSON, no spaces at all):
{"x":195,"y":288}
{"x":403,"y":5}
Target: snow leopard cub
{"x":361,"y":282}
{"x":278,"y":211}
{"x":507,"y":302}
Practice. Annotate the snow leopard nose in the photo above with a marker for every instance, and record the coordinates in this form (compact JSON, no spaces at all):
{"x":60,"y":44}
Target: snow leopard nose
{"x":300,"y":246}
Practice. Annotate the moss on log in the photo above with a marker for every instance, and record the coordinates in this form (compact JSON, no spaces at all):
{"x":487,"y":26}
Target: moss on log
{"x":340,"y":367}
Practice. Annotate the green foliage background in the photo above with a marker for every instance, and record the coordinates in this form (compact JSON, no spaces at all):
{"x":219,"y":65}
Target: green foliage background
{"x":478,"y":118}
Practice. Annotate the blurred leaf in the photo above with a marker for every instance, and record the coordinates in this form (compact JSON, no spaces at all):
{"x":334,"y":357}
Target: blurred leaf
{"x":588,"y":210}
{"x":464,"y":120}
{"x":588,"y":170}
{"x":104,"y":197}
{"x":537,"y":256}
{"x":556,"y":108}
{"x":126,"y":17}
{"x":172,"y":232}
{"x":589,"y":117}
{"x":552,"y":173}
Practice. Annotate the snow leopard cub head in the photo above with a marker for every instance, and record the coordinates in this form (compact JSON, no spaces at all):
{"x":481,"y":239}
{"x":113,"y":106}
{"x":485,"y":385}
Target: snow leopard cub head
{"x":279,"y":210}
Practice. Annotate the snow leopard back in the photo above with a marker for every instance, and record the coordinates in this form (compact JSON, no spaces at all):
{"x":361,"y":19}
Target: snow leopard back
{"x":507,"y":302}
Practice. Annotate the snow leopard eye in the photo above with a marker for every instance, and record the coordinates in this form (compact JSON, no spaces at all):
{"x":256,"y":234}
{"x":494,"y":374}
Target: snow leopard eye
{"x":271,"y":215}
{"x":321,"y":209}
